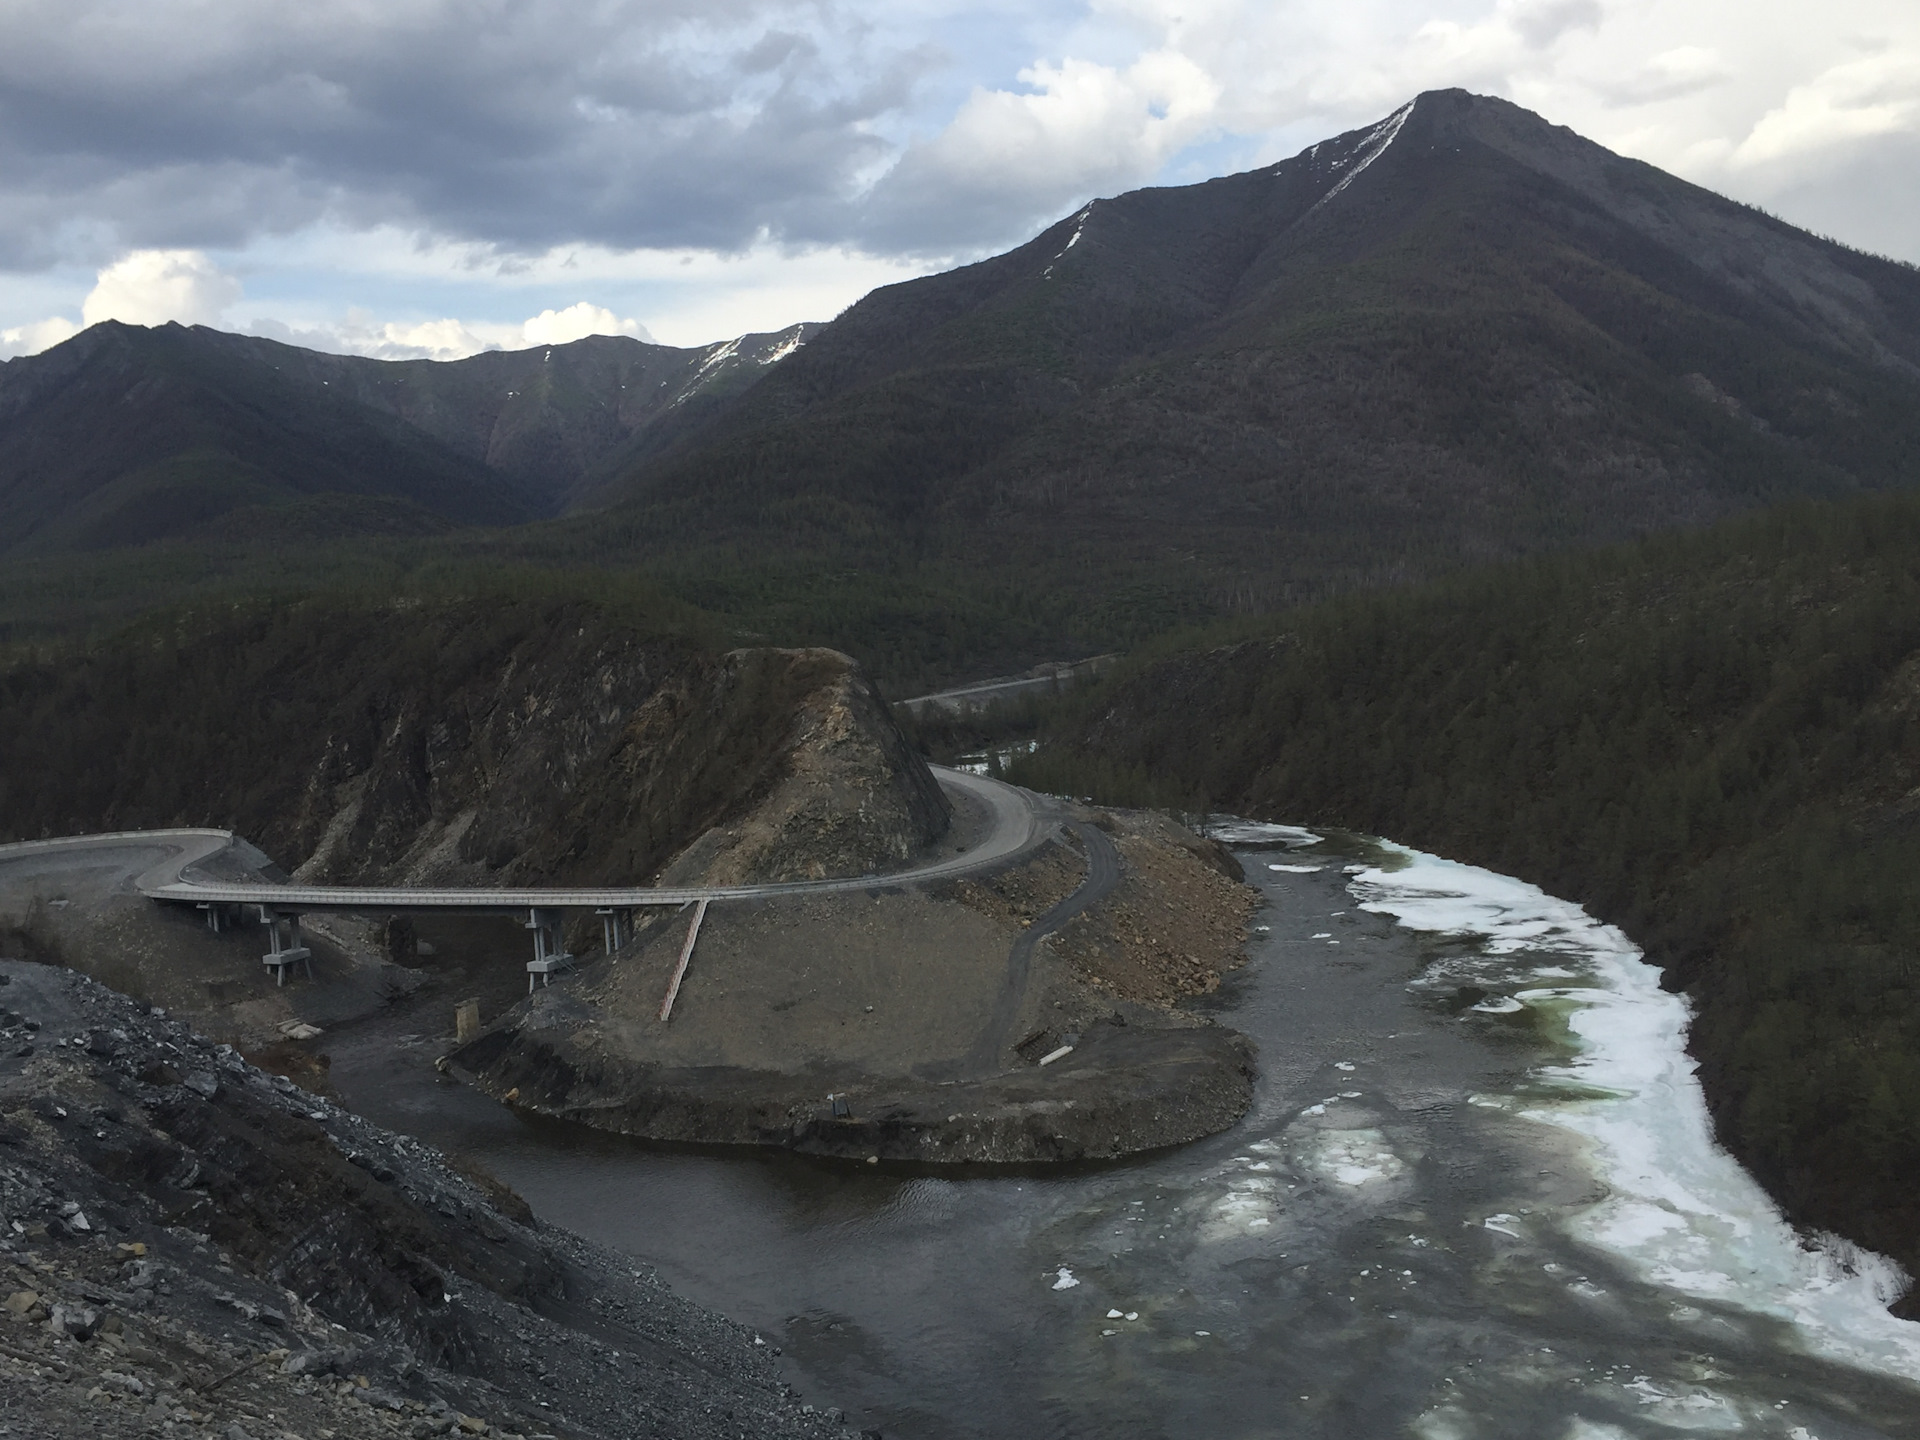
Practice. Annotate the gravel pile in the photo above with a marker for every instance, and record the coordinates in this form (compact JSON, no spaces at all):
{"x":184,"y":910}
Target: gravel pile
{"x":192,"y":1247}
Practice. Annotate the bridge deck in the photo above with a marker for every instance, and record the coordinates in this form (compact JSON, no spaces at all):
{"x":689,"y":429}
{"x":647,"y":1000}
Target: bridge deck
{"x":1017,"y":824}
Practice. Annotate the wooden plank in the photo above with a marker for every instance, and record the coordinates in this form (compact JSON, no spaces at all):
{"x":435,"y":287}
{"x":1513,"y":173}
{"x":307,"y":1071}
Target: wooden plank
{"x":686,"y":954}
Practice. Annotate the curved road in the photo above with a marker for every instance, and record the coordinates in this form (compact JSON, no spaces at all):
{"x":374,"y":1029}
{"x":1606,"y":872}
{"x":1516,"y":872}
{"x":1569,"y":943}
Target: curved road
{"x":1021,"y":820}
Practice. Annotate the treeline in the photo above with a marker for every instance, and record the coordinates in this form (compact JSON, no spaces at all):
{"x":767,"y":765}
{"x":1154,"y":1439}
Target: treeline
{"x":1710,"y":739}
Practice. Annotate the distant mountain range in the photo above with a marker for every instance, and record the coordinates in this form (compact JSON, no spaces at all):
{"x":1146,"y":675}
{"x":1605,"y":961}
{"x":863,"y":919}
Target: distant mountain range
{"x":125,"y":434}
{"x":1459,"y":333}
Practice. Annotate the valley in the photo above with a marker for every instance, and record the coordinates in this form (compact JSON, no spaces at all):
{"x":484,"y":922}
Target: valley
{"x":1454,"y":487}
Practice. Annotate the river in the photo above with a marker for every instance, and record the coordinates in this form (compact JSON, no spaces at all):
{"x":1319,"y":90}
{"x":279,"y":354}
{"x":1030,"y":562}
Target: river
{"x":1476,"y":1197}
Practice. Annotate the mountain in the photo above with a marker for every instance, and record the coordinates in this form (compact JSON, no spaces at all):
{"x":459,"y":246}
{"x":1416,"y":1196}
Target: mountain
{"x":125,"y":434}
{"x":1459,"y":332}
{"x":1456,"y":335}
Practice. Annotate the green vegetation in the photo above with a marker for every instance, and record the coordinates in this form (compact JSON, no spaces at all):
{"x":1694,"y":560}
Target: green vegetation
{"x":249,"y":716}
{"x":1712,"y":740}
{"x":914,"y":626}
{"x":1223,"y":399}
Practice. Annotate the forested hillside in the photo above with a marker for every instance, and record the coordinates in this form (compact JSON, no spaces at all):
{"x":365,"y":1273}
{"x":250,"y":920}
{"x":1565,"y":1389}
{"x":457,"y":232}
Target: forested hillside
{"x":1712,"y":740}
{"x":125,"y":435}
{"x":523,"y":738}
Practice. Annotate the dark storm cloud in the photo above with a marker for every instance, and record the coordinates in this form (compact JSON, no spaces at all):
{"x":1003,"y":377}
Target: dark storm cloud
{"x":521,"y":124}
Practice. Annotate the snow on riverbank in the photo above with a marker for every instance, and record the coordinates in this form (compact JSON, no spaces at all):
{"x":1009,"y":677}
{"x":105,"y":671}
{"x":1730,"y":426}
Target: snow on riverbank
{"x":1680,"y":1210}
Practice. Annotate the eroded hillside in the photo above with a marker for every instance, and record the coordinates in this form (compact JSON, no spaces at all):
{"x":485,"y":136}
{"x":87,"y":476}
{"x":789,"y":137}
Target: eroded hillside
{"x":523,"y":741}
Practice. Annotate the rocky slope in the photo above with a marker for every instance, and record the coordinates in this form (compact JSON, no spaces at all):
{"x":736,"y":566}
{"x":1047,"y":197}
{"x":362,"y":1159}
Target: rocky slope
{"x":522,"y":742}
{"x":191,"y":1247}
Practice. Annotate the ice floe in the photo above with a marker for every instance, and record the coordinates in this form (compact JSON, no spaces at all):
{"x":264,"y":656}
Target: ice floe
{"x":1259,"y":832}
{"x":1352,"y":1157}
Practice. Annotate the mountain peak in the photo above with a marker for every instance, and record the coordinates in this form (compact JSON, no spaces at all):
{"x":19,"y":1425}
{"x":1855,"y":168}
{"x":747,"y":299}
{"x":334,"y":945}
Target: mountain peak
{"x":1457,"y":330}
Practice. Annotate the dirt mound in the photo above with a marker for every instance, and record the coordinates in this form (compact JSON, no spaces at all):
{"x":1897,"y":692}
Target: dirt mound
{"x":1030,"y":1014}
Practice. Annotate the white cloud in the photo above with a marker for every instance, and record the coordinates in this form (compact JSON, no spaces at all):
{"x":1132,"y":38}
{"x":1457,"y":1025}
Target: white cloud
{"x":1670,"y":75}
{"x":770,"y":160}
{"x":576,"y":322}
{"x":152,"y":287}
{"x":1011,"y":159}
{"x":1860,"y":100}
{"x":690,"y":297}
{"x":361,"y":334}
{"x":35,"y":336}
{"x":1079,"y":123}
{"x":427,"y":340}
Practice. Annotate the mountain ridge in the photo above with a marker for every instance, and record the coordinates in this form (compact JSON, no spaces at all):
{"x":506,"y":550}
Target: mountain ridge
{"x":1455,"y":335}
{"x":1461,"y":307}
{"x":125,"y":433}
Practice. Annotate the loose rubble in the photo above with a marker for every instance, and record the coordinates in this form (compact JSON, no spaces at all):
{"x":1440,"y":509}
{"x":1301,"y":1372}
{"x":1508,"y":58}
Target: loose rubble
{"x":191,"y":1247}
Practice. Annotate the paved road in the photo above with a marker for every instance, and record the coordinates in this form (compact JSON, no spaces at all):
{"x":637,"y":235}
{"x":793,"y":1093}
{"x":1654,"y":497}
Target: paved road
{"x":1007,"y":687}
{"x":1020,"y":822}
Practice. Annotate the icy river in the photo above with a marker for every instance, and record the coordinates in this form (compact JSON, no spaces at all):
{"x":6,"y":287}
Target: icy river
{"x":1476,"y":1197}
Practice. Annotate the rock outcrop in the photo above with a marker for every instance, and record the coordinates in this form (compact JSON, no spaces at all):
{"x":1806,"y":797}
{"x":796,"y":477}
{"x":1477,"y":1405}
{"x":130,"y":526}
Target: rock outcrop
{"x":851,"y":797}
{"x":459,"y":742}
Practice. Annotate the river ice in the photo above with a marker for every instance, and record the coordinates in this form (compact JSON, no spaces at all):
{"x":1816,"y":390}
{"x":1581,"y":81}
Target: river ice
{"x":1476,"y":1199}
{"x":1679,"y":1209}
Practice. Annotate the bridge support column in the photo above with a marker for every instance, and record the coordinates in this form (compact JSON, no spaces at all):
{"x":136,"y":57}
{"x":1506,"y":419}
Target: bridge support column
{"x":283,"y":957}
{"x":549,"y":946}
{"x":616,"y":928}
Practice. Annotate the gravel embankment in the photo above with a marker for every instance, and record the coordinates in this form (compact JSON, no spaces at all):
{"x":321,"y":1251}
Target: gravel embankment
{"x":190,"y":1247}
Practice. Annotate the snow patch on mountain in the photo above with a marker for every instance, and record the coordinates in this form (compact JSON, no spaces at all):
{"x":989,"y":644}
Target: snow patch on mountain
{"x":1370,"y":149}
{"x":785,"y":348}
{"x":1073,"y":239}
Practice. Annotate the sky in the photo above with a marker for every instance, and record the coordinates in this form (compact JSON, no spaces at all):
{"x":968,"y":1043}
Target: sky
{"x":428,"y":178}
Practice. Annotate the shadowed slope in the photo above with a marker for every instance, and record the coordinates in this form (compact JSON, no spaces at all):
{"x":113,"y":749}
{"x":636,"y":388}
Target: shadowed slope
{"x":1460,"y":331}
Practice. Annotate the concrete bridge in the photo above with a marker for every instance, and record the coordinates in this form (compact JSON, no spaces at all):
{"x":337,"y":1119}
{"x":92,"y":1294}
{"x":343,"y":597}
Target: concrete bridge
{"x":1018,"y":822}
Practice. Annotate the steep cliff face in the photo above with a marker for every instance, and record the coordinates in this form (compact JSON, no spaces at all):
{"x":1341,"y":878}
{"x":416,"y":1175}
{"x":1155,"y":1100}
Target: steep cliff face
{"x":514,"y":742}
{"x":850,"y":796}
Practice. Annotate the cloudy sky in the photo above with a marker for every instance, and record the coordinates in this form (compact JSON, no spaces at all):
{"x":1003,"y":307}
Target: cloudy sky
{"x":428,"y":177}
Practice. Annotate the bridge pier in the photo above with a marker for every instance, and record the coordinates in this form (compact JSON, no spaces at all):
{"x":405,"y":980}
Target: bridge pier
{"x":549,"y":945}
{"x":283,"y":957}
{"x":616,"y":928}
{"x":220,"y":916}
